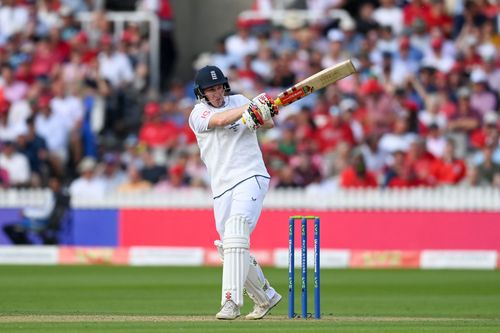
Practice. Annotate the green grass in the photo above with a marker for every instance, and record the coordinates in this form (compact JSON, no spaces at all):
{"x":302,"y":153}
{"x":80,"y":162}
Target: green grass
{"x":352,"y":300}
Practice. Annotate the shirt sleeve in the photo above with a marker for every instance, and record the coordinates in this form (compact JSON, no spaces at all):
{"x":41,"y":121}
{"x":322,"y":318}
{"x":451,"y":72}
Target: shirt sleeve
{"x":199,"y":118}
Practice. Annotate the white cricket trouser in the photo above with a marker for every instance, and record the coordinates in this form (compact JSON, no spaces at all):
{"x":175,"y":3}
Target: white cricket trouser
{"x":245,"y":199}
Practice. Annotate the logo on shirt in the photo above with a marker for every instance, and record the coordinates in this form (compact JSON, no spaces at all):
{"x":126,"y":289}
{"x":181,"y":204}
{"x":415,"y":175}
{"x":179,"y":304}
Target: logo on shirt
{"x":205,"y":114}
{"x":214,"y":75}
{"x":234,"y":127}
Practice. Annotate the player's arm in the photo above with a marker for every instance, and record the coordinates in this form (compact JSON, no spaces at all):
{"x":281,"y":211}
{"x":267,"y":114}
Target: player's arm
{"x":222,"y":119}
{"x":257,"y":113}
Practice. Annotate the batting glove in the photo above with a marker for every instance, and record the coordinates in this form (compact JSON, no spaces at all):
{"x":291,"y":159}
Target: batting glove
{"x":266,"y":106}
{"x":252,"y":117}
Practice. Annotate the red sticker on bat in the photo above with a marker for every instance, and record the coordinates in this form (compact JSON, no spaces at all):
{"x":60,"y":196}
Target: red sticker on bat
{"x":293,"y":94}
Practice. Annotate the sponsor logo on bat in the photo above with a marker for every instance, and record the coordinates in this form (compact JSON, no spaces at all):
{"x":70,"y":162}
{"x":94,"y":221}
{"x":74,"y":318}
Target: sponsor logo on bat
{"x":293,"y":94}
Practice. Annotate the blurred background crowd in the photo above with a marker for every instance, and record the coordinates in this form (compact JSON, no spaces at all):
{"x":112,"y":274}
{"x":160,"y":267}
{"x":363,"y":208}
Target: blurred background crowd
{"x":77,"y":103}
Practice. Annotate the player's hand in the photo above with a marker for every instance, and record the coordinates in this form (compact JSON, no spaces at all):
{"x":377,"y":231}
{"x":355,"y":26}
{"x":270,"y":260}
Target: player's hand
{"x":252,"y":117}
{"x":266,"y":106}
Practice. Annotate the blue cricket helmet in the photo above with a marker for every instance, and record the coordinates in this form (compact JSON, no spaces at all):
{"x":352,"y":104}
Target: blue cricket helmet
{"x":207,"y":77}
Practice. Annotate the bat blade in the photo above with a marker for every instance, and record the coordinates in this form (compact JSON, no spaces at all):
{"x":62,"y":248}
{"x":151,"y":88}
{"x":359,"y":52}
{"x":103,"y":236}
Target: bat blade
{"x":316,"y":82}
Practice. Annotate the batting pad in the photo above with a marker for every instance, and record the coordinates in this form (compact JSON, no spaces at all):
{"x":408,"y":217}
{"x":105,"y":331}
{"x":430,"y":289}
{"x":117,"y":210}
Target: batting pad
{"x":236,"y":259}
{"x":256,"y":284}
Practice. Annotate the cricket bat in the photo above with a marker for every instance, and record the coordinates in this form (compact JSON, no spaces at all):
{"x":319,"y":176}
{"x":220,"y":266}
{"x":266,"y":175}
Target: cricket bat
{"x":316,"y":82}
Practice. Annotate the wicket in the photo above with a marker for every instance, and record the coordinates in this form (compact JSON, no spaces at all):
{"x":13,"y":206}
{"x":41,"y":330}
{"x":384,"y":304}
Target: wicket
{"x":291,"y":266}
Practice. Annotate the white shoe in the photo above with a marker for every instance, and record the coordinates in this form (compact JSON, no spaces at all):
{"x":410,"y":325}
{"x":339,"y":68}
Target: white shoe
{"x":229,"y":311}
{"x":260,"y":311}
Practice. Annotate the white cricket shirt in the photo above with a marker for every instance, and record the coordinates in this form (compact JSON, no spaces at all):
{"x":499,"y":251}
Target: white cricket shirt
{"x":232,"y":153}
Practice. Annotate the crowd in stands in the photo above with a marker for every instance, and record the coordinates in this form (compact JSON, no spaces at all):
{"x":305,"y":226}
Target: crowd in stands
{"x":423,"y":109}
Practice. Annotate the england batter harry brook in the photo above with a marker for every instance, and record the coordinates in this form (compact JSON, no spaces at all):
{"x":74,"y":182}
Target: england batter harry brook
{"x":225,"y":128}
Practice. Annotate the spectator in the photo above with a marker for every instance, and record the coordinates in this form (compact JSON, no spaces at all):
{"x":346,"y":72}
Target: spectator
{"x":438,"y":17}
{"x":88,"y":185}
{"x":13,"y":19}
{"x":464,"y":121}
{"x":488,"y":169}
{"x":93,"y":95}
{"x":262,"y":64}
{"x":374,"y":157}
{"x":336,"y":161}
{"x":398,"y":174}
{"x":352,"y":38}
{"x":283,"y":76}
{"x":335,"y":52}
{"x":134,"y":182}
{"x":357,"y":175}
{"x":74,"y":70}
{"x":365,"y":21}
{"x":471,"y":16}
{"x":432,"y":114}
{"x":286,"y":178}
{"x":488,"y":134}
{"x":414,"y":11}
{"x":54,"y":130}
{"x":242,"y":43}
{"x":114,"y":66}
{"x":437,"y":56}
{"x":79,"y":44}
{"x":482,"y":99}
{"x":399,"y":139}
{"x":287,"y":143}
{"x":7,"y":129}
{"x":407,"y":56}
{"x":224,"y":60}
{"x":492,"y":139}
{"x":67,"y":107}
{"x":419,"y":35}
{"x":59,"y":47}
{"x":435,"y":141}
{"x":491,"y":70}
{"x":151,"y":171}
{"x":16,"y":165}
{"x":380,"y":107}
{"x":13,"y":90}
{"x":331,"y":130}
{"x":111,"y":174}
{"x":388,"y":14}
{"x":420,"y":162}
{"x":34,"y":147}
{"x":471,"y":179}
{"x":448,"y":170}
{"x":132,"y":152}
{"x":196,"y":170}
{"x":305,"y":170}
{"x":44,"y":64}
{"x":176,"y":179}
{"x":155,"y":132}
{"x":387,"y":74}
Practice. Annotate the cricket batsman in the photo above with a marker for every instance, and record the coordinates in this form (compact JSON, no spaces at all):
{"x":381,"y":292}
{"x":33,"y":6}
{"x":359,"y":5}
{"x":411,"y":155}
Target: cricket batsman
{"x":225,"y":127}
